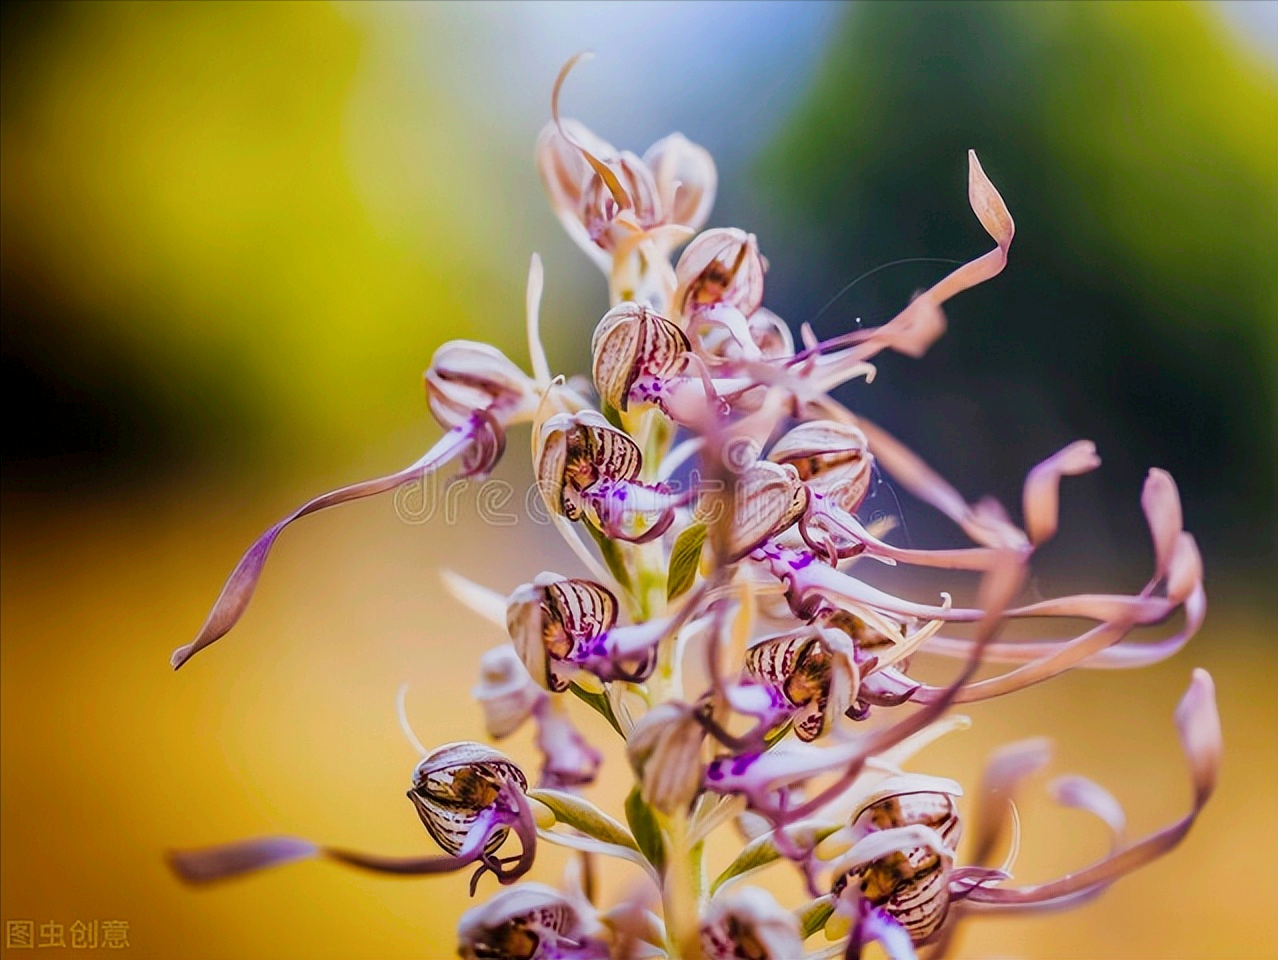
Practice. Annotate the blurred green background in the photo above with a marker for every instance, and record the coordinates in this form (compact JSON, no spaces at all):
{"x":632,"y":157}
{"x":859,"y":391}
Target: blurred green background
{"x":233,"y":234}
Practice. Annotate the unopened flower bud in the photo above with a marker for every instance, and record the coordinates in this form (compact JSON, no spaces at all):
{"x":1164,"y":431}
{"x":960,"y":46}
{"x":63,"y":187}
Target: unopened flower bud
{"x":505,"y":691}
{"x":768,"y":498}
{"x":457,"y":783}
{"x":685,"y":177}
{"x":719,"y":267}
{"x":665,"y":752}
{"x":567,"y":759}
{"x":465,"y":377}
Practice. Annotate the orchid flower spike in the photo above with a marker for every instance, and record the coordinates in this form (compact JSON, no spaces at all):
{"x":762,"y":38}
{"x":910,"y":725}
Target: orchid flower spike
{"x":724,"y":622}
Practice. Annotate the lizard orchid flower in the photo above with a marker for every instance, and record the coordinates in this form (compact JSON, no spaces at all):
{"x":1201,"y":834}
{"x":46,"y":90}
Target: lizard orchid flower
{"x":469,"y":798}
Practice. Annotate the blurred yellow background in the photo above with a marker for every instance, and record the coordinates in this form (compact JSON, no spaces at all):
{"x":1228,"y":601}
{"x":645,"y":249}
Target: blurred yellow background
{"x":232,"y":236}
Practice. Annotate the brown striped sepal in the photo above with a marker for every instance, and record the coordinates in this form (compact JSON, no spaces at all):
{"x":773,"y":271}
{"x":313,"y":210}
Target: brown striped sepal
{"x":910,"y":885}
{"x":574,"y":452}
{"x":832,"y":458}
{"x":550,"y":618}
{"x":529,"y":922}
{"x":457,"y":783}
{"x":767,"y":499}
{"x":635,"y":350}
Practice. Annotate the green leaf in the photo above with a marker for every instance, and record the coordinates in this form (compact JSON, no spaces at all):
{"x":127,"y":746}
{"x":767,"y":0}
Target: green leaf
{"x":585,"y":816}
{"x":697,"y":860}
{"x":812,"y":916}
{"x":684,"y":559}
{"x":613,"y":558}
{"x":762,"y":851}
{"x":599,"y":703}
{"x":643,"y":824}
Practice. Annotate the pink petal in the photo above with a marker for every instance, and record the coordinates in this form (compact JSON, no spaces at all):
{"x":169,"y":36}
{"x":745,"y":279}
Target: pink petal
{"x":1199,"y":725}
{"x":1198,"y":721}
{"x":1042,"y":487}
{"x":1184,"y":569}
{"x":1120,"y":656}
{"x":1161,"y":502}
{"x":1083,"y":794}
{"x":1004,"y":771}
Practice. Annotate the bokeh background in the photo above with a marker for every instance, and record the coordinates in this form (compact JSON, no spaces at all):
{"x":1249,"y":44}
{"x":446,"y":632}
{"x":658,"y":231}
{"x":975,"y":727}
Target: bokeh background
{"x":233,"y":234}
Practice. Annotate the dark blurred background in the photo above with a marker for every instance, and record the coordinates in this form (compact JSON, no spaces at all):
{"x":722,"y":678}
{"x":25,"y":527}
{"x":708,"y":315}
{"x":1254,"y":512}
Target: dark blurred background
{"x":233,"y":234}
{"x":1138,"y":152}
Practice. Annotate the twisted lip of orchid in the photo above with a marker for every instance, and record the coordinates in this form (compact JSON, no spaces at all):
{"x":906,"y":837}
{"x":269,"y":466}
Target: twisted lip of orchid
{"x":917,"y":327}
{"x":472,"y":389}
{"x":811,"y":584}
{"x":1177,"y":568}
{"x":479,"y":440}
{"x":984,"y":889}
{"x":1198,"y":723}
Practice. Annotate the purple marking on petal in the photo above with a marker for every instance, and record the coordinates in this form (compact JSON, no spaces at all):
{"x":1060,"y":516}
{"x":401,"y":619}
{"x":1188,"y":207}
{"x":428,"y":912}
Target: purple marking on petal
{"x":800,"y":561}
{"x":877,"y":925}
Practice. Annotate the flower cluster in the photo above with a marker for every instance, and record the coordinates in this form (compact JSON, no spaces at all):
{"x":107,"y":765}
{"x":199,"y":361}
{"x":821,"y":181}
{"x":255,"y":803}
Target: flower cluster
{"x":710,"y":488}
